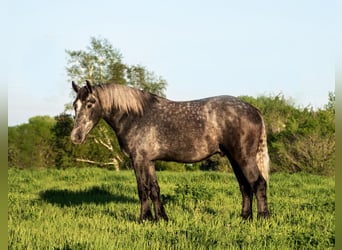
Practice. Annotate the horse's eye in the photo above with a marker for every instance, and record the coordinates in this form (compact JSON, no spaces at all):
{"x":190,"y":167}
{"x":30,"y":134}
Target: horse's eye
{"x":89,"y":105}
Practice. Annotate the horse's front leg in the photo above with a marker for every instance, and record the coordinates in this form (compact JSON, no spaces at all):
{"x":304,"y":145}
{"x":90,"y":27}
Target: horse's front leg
{"x":143,"y":191}
{"x":155,"y":193}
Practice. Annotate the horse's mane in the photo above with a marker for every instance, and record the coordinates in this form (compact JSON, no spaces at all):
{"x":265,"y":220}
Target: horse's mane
{"x":124,"y":98}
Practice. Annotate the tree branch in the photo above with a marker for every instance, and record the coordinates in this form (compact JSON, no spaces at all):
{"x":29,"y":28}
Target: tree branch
{"x":114,"y":162}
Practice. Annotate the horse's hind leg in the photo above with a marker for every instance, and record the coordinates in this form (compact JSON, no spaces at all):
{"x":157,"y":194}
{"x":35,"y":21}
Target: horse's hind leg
{"x":246,"y":191}
{"x":260,"y":192}
{"x":257,"y":186}
{"x":251,"y":182}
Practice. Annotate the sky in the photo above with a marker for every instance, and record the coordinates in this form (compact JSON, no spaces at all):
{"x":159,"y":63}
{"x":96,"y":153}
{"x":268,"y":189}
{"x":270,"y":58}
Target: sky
{"x":201,"y":48}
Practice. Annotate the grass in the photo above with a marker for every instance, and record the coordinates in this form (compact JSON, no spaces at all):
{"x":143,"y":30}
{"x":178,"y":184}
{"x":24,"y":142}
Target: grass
{"x":99,"y":209}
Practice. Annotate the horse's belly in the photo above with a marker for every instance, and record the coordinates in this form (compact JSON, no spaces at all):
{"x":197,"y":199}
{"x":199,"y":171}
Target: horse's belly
{"x":189,"y":152}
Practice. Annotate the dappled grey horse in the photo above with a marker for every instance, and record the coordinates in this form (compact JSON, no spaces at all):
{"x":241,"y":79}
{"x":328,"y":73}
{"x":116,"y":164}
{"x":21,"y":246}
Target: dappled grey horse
{"x":150,"y":128}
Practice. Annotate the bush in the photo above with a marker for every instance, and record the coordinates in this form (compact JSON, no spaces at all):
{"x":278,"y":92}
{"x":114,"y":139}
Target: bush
{"x":299,"y":139}
{"x":307,"y":144}
{"x":29,"y":145}
{"x":216,"y":163}
{"x":170,"y":166}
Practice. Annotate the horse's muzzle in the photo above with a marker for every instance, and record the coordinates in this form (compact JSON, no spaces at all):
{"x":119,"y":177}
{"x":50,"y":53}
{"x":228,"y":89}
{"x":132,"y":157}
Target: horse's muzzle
{"x":77,"y":137}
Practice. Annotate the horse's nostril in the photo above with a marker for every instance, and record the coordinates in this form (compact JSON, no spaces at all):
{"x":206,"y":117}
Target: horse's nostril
{"x":76,"y":137}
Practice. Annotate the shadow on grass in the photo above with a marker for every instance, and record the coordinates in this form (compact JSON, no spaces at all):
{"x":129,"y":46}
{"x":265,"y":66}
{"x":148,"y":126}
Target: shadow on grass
{"x":96,"y":195}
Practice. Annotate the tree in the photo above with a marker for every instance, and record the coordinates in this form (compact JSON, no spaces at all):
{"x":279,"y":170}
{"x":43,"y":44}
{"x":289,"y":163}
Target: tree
{"x":62,"y":144}
{"x":330,"y":107}
{"x":29,"y":145}
{"x":101,"y":63}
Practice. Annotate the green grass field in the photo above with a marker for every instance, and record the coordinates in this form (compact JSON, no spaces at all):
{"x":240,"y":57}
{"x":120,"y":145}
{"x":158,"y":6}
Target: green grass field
{"x":99,"y":209}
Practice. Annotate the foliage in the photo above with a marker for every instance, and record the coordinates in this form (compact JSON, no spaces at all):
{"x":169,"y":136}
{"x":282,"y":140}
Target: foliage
{"x":91,"y":208}
{"x":299,"y":139}
{"x":101,"y":63}
{"x":169,"y":165}
{"x":62,"y":143}
{"x":29,"y":145}
{"x":216,"y":163}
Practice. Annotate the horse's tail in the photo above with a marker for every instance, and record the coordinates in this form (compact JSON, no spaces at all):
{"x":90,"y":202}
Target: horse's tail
{"x":262,"y":157}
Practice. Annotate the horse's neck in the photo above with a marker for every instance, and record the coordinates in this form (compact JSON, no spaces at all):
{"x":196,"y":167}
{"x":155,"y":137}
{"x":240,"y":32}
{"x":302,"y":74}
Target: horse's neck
{"x":118,"y":120}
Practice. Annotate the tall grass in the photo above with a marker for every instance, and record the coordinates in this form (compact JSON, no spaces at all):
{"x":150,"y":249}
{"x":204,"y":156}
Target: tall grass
{"x":99,"y":209}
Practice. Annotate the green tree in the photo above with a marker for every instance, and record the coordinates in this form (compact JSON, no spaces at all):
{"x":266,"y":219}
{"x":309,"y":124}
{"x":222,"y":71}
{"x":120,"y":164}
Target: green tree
{"x":29,"y":145}
{"x":330,"y":107}
{"x":62,"y":144}
{"x":101,"y":63}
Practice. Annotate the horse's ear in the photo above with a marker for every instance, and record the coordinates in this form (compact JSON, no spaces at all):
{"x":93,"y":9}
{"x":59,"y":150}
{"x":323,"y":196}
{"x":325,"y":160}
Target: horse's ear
{"x":75,"y":87}
{"x":89,"y":86}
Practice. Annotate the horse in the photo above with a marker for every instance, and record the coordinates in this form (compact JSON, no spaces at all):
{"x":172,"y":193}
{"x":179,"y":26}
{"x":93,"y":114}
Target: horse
{"x":149,"y":128}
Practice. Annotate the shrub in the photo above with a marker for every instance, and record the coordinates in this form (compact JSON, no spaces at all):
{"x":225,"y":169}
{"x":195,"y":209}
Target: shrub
{"x":299,"y":139}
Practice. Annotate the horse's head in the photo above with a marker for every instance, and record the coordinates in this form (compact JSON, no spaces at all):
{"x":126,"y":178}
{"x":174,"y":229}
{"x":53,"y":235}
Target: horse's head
{"x":88,"y":112}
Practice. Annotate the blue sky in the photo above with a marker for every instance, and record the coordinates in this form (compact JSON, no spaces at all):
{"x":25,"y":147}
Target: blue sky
{"x":202,"y":48}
